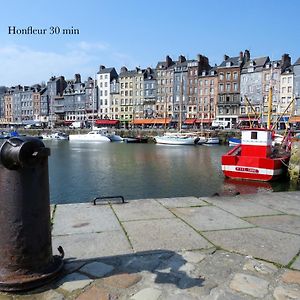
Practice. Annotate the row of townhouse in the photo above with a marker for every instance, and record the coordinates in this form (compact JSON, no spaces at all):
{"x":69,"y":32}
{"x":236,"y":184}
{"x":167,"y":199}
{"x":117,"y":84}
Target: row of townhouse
{"x":189,"y":91}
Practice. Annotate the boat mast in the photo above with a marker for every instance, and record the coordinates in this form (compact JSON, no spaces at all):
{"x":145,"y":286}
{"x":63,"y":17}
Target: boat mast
{"x":269,"y":108}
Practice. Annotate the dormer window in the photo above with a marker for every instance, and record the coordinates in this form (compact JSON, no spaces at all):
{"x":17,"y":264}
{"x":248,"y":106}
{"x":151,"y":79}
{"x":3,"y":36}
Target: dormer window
{"x":228,"y":64}
{"x":203,"y":73}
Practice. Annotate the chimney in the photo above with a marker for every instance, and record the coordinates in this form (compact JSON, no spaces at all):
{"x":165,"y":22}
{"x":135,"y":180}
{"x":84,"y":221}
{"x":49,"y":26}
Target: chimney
{"x":77,"y":78}
{"x":285,"y":61}
{"x":241,"y":56}
{"x":101,"y":67}
{"x":168,"y":61}
{"x":226,"y":57}
{"x":181,"y":59}
{"x":246,"y":55}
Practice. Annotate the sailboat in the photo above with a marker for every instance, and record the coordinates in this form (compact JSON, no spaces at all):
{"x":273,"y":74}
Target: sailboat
{"x":177,"y":138}
{"x":256,"y":158}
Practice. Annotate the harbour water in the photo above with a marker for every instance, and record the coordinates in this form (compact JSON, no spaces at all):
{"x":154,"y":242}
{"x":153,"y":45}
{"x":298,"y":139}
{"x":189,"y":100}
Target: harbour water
{"x":81,"y":171}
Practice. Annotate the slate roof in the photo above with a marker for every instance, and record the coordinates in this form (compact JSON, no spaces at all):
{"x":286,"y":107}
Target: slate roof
{"x":235,"y":62}
{"x":258,"y":64}
{"x":297,"y":62}
{"x":105,"y":70}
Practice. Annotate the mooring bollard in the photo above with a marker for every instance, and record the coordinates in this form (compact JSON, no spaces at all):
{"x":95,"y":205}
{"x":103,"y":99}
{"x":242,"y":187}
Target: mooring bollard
{"x":26,"y":259}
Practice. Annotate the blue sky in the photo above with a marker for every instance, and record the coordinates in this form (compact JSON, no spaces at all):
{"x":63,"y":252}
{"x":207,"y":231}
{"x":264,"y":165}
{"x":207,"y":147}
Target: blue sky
{"x":139,"y":33}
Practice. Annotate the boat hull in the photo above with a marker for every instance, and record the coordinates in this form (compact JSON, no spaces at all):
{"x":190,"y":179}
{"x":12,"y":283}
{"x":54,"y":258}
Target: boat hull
{"x":169,"y":140}
{"x":253,"y":168}
{"x":88,"y":138}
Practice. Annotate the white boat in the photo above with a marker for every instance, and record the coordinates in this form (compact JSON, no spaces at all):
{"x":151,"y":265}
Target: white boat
{"x":175,"y":140}
{"x":96,"y":135}
{"x":214,"y":140}
{"x":55,"y":136}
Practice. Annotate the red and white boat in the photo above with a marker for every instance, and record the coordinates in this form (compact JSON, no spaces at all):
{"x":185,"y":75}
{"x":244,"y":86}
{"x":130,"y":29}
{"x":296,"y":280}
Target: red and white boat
{"x":255,"y":158}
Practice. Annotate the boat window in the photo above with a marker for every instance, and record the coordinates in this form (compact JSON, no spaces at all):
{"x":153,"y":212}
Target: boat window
{"x":253,"y":135}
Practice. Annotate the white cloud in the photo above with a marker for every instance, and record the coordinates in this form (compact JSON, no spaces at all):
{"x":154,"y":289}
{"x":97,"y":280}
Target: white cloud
{"x":26,"y":66}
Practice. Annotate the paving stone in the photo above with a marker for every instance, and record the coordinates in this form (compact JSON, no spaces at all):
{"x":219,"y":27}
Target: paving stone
{"x":141,"y":210}
{"x":95,"y":293}
{"x":209,"y":218}
{"x":283,"y":201}
{"x":122,"y":281}
{"x":250,"y":285}
{"x":286,"y":293}
{"x":96,"y":269}
{"x":258,"y":242}
{"x":84,"y":218}
{"x":74,"y":281}
{"x":296,"y":264}
{"x":193,"y":256}
{"x":147,"y":294}
{"x":99,"y":244}
{"x":291,"y":277}
{"x":72,"y":266}
{"x":260,"y":267}
{"x":240,"y":207}
{"x":50,"y":295}
{"x":284,"y":223}
{"x":181,"y":202}
{"x":170,"y":234}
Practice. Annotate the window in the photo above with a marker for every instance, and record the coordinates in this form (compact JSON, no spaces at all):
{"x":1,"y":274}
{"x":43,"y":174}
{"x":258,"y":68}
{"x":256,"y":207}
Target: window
{"x":221,"y":88}
{"x":228,"y":86}
{"x":228,"y":76}
{"x":235,"y":75}
{"x":221,"y":76}
{"x":253,"y":135}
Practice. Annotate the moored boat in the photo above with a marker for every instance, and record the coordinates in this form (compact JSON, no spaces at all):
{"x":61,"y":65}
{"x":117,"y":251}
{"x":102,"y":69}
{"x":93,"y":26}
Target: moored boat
{"x":255,"y":158}
{"x":175,"y":140}
{"x":234,"y":141}
{"x":213,"y":140}
{"x":92,"y":136}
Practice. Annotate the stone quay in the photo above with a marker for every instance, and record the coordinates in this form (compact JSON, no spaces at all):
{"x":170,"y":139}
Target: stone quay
{"x":241,"y":247}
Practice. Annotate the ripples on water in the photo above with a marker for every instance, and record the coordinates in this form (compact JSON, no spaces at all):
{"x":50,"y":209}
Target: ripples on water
{"x":80,"y":172}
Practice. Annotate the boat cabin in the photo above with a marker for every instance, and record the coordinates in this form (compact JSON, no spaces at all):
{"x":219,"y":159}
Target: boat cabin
{"x":256,"y":142}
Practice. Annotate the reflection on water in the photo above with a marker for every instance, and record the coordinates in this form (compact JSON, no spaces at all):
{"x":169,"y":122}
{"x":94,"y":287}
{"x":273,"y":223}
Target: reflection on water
{"x":81,"y":171}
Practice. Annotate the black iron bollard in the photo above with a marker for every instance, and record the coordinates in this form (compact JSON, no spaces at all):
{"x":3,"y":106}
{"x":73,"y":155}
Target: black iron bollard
{"x":26,"y":259}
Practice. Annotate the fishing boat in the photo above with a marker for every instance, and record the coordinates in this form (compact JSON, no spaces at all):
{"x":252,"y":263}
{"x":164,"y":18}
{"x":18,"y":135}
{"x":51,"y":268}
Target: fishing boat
{"x":255,"y":158}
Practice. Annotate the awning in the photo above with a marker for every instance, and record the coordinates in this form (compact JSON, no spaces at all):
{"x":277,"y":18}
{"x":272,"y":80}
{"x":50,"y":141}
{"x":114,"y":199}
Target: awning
{"x":151,"y":121}
{"x":294,"y":119}
{"x":204,"y":121}
{"x":106,"y":122}
{"x":248,"y":118}
{"x":189,"y":121}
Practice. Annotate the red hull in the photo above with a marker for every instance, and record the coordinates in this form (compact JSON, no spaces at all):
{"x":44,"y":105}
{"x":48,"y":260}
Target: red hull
{"x":251,"y":167}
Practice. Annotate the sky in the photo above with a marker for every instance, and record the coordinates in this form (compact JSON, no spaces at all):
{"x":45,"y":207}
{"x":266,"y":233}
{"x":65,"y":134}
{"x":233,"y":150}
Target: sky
{"x":136,"y":33}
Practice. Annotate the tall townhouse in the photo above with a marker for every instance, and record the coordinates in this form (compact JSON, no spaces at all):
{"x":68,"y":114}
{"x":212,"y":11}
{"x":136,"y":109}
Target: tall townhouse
{"x":8,"y":106}
{"x":180,"y":98}
{"x":251,"y":89}
{"x":195,"y":67}
{"x":104,"y":79}
{"x":207,"y":97}
{"x":91,"y":103}
{"x":72,"y":105}
{"x":2,"y":106}
{"x":165,"y":78}
{"x":16,"y":104}
{"x":36,"y":101}
{"x":115,"y":99}
{"x":271,"y":78}
{"x":286,"y":106}
{"x":296,"y":68}
{"x":138,"y":93}
{"x":150,"y":93}
{"x":55,"y":90}
{"x":126,"y":79}
{"x":229,"y":88}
